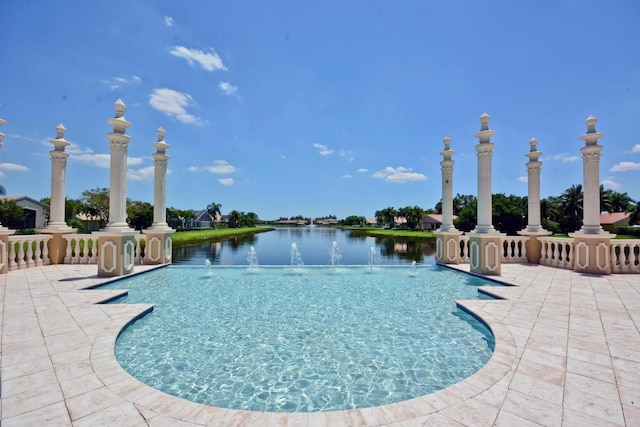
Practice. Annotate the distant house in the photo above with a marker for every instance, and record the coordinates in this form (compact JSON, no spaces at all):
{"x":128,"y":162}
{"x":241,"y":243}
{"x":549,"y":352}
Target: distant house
{"x":609,"y":221}
{"x":371,"y":222}
{"x":90,"y":222}
{"x":35,"y":213}
{"x":202,"y":220}
{"x":432,"y":222}
{"x":326,"y":221}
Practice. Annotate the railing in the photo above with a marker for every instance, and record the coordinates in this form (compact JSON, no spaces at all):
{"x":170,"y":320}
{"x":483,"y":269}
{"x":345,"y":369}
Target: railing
{"x":464,"y":249}
{"x":83,"y":248}
{"x":557,"y":252}
{"x":514,"y":249}
{"x":625,"y":256}
{"x":28,"y":251}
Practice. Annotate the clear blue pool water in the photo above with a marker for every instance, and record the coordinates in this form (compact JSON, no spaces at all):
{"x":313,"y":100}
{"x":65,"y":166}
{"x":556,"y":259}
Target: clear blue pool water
{"x":302,"y":339}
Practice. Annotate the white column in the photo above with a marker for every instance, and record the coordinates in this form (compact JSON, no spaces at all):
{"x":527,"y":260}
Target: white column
{"x":591,"y":178}
{"x":58,"y":180}
{"x":533,"y":184}
{"x":119,"y":143}
{"x":447,"y":186}
{"x":485,"y":154}
{"x":160,"y":182}
{"x":3,"y":229}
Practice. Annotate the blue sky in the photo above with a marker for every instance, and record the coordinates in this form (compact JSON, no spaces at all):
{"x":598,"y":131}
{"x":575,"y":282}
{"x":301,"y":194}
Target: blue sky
{"x":317,"y":108}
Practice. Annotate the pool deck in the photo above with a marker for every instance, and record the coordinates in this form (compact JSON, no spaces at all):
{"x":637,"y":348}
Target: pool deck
{"x":567,"y":353}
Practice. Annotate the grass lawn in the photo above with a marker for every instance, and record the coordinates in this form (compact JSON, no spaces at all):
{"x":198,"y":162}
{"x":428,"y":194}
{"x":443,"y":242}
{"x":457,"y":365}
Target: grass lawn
{"x":382,"y":232}
{"x":195,"y":237}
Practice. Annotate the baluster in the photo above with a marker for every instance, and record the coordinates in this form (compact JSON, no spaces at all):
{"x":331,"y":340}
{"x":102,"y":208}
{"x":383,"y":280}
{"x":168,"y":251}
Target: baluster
{"x":37,"y":253}
{"x":85,"y":250}
{"x":12,"y":255}
{"x":67,"y":255}
{"x":45,"y":253}
{"x":523,"y":250}
{"x":570,"y":255}
{"x":21,"y":263}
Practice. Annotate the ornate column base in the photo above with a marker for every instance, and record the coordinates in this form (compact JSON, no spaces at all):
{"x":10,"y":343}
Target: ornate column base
{"x":57,"y":245}
{"x":448,"y":246}
{"x":116,"y":252}
{"x":592,"y":252}
{"x":485,"y":253}
{"x":158,"y":248}
{"x":4,"y":248}
{"x":533,"y":245}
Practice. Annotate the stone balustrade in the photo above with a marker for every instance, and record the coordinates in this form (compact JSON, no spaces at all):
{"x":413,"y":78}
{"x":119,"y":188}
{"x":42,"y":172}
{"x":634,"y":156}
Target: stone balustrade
{"x":625,"y":256}
{"x":82,"y":248}
{"x":514,"y":249}
{"x":557,"y":252}
{"x":28,"y":251}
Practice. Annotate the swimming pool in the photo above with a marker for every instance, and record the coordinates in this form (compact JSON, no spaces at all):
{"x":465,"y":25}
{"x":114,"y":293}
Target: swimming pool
{"x":302,"y":339}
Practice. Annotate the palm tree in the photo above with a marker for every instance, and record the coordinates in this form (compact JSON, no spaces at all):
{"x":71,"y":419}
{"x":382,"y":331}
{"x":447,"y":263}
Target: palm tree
{"x":214,"y":209}
{"x":571,"y":202}
{"x":606,"y":197}
{"x":621,"y":202}
{"x":388,"y":216}
{"x":234,"y":218}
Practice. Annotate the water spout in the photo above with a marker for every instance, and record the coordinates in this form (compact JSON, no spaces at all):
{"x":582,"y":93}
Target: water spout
{"x":296,"y":258}
{"x":335,"y":254}
{"x":252,"y":258}
{"x":413,"y":268}
{"x":207,"y":266}
{"x":373,"y":258}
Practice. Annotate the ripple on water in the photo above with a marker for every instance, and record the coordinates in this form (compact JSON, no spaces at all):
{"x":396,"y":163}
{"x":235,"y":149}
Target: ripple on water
{"x":309,"y":340}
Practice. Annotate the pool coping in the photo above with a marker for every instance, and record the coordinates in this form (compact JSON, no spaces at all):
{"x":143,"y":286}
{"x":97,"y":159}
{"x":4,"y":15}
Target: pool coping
{"x":531,"y":379}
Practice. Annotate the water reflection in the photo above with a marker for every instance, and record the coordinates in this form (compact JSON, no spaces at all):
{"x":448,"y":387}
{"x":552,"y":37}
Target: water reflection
{"x":314,"y":243}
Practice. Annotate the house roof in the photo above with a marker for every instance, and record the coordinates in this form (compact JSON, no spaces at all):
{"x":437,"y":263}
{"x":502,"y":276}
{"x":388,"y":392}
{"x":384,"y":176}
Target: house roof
{"x":434,"y":218}
{"x":613,"y":218}
{"x":18,"y":199}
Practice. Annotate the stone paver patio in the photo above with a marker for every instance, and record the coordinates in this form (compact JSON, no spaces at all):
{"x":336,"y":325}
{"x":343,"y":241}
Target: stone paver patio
{"x":567,"y":353}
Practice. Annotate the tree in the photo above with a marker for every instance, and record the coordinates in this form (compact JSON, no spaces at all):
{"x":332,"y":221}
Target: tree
{"x":606,"y":196}
{"x":139,"y":214}
{"x":11,"y":214}
{"x":509,"y":213}
{"x":249,"y":219}
{"x":234,"y":218}
{"x":621,"y":202}
{"x":571,"y":208}
{"x":467,"y":217}
{"x":386,"y":216}
{"x":96,"y":202}
{"x":353,"y":220}
{"x":214,"y":209}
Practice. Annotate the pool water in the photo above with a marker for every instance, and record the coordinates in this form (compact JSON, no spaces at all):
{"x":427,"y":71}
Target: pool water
{"x":305,"y":339}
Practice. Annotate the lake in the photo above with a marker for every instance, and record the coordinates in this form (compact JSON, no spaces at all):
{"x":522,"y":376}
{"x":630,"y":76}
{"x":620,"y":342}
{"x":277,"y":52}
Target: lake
{"x":314,"y":244}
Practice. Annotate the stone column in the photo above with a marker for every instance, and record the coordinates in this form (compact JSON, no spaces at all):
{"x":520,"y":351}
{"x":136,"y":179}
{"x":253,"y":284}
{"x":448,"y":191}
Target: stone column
{"x":485,"y":244}
{"x":447,"y":236}
{"x":158,"y":247}
{"x":592,"y":243}
{"x":534,"y":228}
{"x":4,"y":231}
{"x":116,"y":242}
{"x":57,"y":226}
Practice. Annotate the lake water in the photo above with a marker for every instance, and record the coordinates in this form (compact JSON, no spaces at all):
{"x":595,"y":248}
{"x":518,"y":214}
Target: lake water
{"x":314,"y":245}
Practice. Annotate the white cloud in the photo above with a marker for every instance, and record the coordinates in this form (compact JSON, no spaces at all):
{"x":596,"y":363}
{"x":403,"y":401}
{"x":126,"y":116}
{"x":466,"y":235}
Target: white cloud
{"x":363,"y":170}
{"x":221,"y":167}
{"x":346,"y":176}
{"x":399,"y":175}
{"x":117,"y":82}
{"x":226,"y":181}
{"x":346,"y":153}
{"x":228,"y":89}
{"x":523,"y":179}
{"x":565,"y":158}
{"x":142,"y":174}
{"x":102,"y":160}
{"x":636,"y":148}
{"x":625,"y":166}
{"x":323,"y":149}
{"x":209,"y":61}
{"x":168,"y":21}
{"x":13,"y":167}
{"x":610,"y":184}
{"x":173,"y":104}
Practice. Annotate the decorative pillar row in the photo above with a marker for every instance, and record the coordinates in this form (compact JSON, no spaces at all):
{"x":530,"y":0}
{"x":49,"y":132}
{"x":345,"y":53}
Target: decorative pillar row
{"x":4,"y":231}
{"x":534,"y":228}
{"x":158,"y":249}
{"x":116,"y":242}
{"x":485,"y":244}
{"x":592,"y":243}
{"x":57,"y":225}
{"x":447,"y":237}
